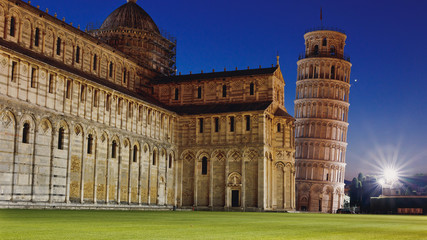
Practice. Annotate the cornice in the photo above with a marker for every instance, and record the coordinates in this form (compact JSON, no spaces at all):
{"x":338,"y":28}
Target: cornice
{"x":319,"y":140}
{"x":322,"y":100}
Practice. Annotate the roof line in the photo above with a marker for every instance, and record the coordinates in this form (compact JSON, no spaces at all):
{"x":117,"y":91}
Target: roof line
{"x":212,"y":75}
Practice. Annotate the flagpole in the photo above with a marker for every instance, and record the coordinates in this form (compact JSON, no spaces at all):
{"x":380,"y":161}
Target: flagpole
{"x":321,"y":18}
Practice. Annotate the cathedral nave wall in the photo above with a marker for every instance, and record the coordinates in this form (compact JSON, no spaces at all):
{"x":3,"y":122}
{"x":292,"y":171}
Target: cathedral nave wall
{"x":70,"y":159}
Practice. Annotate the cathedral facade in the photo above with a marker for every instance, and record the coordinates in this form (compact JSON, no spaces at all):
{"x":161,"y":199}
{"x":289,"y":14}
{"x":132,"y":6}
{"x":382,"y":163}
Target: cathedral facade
{"x":98,"y":119}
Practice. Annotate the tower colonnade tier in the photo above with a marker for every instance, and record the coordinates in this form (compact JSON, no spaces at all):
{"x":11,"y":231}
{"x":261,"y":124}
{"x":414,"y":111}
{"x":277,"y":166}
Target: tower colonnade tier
{"x":321,"y":112}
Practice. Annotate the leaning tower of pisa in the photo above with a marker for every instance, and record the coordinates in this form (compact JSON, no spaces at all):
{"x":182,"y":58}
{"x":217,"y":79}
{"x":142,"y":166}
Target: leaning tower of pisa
{"x":321,"y":110}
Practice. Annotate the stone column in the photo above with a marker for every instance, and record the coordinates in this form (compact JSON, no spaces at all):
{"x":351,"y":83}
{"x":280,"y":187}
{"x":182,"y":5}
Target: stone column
{"x":149,"y":177}
{"x":83,"y":169}
{"x":284,"y":187}
{"x":95,"y":172}
{"x":119,"y":174}
{"x":243,"y":184}
{"x":195,"y":182}
{"x":67,"y":191}
{"x":211,"y":181}
{"x":52,"y":140}
{"x":139,"y":174}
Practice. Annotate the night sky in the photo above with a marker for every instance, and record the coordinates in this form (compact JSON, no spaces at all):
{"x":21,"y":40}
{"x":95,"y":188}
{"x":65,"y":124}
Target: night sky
{"x":386,"y":42}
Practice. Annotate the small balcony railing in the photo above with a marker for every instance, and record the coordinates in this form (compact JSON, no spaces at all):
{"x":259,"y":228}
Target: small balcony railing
{"x":324,"y":54}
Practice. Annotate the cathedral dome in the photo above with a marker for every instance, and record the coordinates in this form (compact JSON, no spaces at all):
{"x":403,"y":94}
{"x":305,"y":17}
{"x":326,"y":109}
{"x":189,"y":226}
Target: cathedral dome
{"x":130,"y":15}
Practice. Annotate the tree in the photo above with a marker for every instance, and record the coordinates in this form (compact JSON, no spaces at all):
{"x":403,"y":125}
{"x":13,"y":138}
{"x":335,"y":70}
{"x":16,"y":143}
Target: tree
{"x":361,"y":190}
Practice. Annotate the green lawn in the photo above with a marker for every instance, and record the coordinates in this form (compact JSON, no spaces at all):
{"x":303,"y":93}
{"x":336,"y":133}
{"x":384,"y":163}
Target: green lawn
{"x":63,"y":224}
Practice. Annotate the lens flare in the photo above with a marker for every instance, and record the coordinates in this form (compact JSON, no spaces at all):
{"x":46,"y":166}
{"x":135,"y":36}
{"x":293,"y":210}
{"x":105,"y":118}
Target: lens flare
{"x":390,"y":175}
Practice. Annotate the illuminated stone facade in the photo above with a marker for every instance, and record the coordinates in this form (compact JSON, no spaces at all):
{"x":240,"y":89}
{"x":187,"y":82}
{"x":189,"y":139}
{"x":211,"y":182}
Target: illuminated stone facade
{"x":321,"y":110}
{"x":84,"y":125}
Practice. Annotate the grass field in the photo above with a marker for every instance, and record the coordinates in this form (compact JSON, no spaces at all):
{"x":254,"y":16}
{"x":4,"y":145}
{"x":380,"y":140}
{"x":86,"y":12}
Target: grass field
{"x":63,"y":224}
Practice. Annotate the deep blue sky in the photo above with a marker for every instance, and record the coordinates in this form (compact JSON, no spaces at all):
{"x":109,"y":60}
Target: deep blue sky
{"x":386,"y":42}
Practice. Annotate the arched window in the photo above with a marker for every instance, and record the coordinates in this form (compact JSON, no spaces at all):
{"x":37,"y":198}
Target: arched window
{"x":108,"y":102}
{"x":199,"y":92}
{"x":37,"y":37}
{"x":333,"y":72}
{"x":111,"y":69}
{"x":13,"y":73}
{"x":252,"y":89}
{"x":119,"y":106}
{"x":68,"y":90}
{"x":77,"y":54}
{"x":58,"y":46}
{"x":204,"y":165}
{"x":200,"y":125}
{"x":33,"y":80}
{"x":61,"y":138}
{"x":95,"y":61}
{"x":89,"y":144}
{"x":124,"y":75}
{"x":224,"y":90}
{"x":82,"y":93}
{"x":231,"y":124}
{"x":170,"y":161}
{"x":248,"y":122}
{"x":278,"y":127}
{"x":26,"y":133}
{"x":51,"y":83}
{"x":324,"y":42}
{"x":12,"y":26}
{"x":135,"y":153}
{"x":95,"y":98}
{"x":310,"y":74}
{"x":149,"y":116}
{"x":154,"y":157}
{"x":316,"y":50}
{"x":114,"y":149}
{"x":176,"y":93}
{"x":333,"y":51}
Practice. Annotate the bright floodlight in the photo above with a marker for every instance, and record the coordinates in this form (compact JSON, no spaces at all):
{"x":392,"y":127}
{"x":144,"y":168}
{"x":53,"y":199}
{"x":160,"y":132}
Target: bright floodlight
{"x":390,"y":175}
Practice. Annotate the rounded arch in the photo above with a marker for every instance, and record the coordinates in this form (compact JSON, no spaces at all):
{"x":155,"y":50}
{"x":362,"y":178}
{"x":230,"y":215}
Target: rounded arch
{"x":163,"y":152}
{"x":104,"y":136}
{"x":7,"y":118}
{"x":303,"y":188}
{"x":188,"y":154}
{"x":116,"y":138}
{"x":202,"y":153}
{"x":126,"y":143}
{"x":135,"y":151}
{"x":78,"y":129}
{"x":250,"y":154}
{"x":146,"y":148}
{"x":92,"y":131}
{"x":64,"y":124}
{"x":45,"y":125}
{"x":218,"y":155}
{"x":234,"y":155}
{"x":327,"y":189}
{"x":234,"y":178}
{"x":115,"y":146}
{"x":316,"y":189}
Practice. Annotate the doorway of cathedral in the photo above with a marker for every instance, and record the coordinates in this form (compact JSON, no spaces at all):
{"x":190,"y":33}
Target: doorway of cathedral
{"x":235,"y":198}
